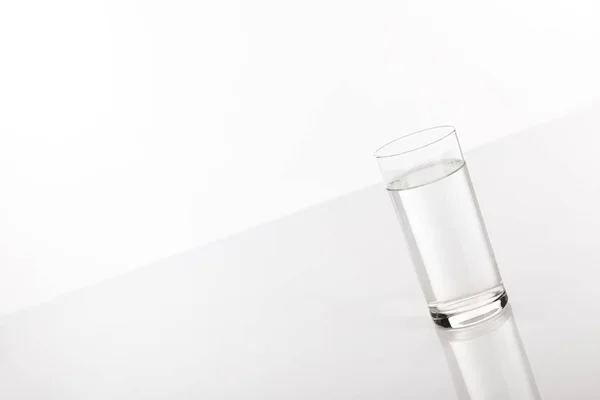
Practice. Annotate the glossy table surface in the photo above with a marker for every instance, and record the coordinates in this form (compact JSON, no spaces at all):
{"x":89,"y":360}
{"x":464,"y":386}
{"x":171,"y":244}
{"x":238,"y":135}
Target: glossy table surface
{"x":324,"y":304}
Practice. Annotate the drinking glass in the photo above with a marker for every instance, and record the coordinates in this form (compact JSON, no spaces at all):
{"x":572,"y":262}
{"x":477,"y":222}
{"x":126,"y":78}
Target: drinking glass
{"x":428,"y":181}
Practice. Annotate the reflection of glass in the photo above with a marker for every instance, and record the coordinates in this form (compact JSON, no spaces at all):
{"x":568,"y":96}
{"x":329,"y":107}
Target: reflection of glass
{"x":429,"y":183}
{"x":488,"y":361}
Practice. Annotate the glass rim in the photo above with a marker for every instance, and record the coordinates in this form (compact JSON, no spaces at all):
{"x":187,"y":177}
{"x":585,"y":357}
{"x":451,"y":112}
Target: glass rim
{"x":377,"y":153}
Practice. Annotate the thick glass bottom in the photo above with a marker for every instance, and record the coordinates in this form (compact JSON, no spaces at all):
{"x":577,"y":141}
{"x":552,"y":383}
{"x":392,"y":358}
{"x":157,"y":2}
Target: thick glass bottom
{"x":469,"y":311}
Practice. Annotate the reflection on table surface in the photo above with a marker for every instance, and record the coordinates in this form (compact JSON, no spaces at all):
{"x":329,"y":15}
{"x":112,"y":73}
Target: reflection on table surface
{"x":488,"y":361}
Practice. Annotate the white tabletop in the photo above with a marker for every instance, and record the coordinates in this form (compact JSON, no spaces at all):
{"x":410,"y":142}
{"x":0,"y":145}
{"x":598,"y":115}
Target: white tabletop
{"x":324,"y":304}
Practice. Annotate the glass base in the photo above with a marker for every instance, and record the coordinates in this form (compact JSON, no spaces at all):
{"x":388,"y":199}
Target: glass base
{"x":471,"y":310}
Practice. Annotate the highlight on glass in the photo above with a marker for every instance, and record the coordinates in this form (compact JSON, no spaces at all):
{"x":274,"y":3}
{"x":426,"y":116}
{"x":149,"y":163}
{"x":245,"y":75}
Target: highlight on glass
{"x":428,"y":181}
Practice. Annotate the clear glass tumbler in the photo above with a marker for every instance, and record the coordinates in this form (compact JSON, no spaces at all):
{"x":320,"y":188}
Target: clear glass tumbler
{"x":429,"y":183}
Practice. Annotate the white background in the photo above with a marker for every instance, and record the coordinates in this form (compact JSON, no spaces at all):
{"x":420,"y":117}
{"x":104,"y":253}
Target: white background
{"x":133,"y":130}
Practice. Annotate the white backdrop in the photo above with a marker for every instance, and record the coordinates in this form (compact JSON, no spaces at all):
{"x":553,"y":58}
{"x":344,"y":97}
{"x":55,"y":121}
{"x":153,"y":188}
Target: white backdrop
{"x":132,"y":130}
